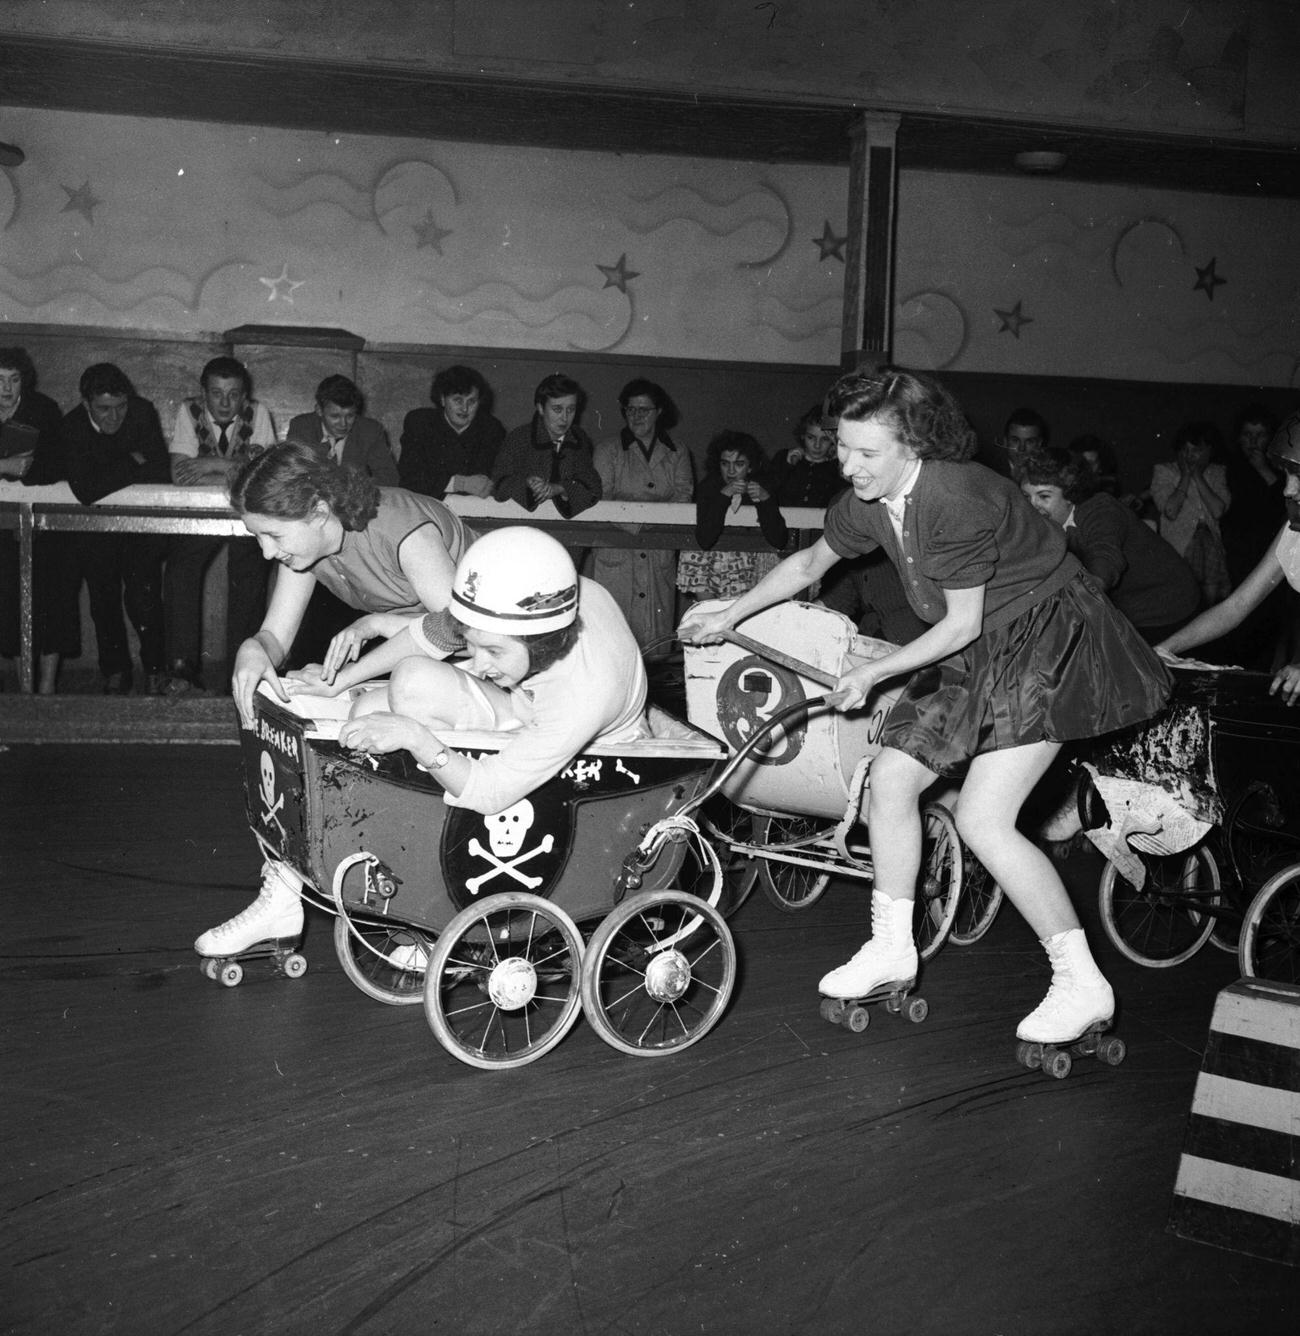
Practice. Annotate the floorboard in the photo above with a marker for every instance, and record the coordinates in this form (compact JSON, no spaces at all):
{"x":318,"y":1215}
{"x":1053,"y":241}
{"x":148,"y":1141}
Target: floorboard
{"x":293,"y":1157}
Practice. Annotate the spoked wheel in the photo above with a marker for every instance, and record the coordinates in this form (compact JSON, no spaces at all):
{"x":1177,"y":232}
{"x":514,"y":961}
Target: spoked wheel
{"x":1257,"y":845}
{"x":978,"y":904}
{"x":1270,"y":936}
{"x":386,"y":960}
{"x":1166,"y":922}
{"x":790,"y":886}
{"x":939,"y":886}
{"x":657,"y":973}
{"x":723,"y":821}
{"x":502,"y":987}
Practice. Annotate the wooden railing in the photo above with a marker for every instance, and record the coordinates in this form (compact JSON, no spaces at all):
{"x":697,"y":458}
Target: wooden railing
{"x":162,"y":509}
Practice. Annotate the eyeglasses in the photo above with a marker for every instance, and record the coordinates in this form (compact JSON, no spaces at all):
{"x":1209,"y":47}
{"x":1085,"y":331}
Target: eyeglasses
{"x":636,"y":410}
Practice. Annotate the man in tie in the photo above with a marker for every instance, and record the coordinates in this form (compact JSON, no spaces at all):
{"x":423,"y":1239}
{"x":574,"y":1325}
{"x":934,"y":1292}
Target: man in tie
{"x":215,"y":433}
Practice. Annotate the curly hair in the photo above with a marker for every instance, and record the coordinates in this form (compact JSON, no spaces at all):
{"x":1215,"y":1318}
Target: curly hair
{"x":1050,"y":466}
{"x":735,"y":442}
{"x":921,"y":412}
{"x":105,"y":378}
{"x":547,"y":648}
{"x":287,"y":480}
{"x":16,"y":359}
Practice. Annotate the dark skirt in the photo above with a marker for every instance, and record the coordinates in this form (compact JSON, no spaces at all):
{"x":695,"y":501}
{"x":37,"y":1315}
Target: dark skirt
{"x":1070,"y":667}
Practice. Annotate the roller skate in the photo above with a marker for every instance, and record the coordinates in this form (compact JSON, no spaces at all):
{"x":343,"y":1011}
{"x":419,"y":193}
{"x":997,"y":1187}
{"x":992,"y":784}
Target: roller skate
{"x":1074,"y":1018}
{"x":883,"y":970}
{"x":268,"y":929}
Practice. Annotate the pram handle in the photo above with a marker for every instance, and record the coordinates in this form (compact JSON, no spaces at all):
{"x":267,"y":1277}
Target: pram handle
{"x":785,"y":660}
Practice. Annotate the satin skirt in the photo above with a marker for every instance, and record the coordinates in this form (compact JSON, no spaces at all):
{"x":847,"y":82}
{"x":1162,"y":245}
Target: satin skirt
{"x":1070,"y":667}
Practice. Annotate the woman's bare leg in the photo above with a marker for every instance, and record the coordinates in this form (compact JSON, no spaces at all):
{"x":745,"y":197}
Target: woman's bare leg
{"x":888,"y":958}
{"x":991,"y":799}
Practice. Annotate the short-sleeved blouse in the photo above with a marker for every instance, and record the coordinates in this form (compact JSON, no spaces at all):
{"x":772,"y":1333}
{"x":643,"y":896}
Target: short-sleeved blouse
{"x":366,"y":572}
{"x":963,"y":526}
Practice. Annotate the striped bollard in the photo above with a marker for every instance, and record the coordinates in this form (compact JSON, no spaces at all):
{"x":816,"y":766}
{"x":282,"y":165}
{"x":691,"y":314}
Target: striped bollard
{"x":1239,"y":1177}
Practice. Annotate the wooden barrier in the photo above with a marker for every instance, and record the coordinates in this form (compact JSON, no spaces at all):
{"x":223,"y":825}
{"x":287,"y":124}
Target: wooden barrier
{"x":1238,"y":1181}
{"x":166,"y":509}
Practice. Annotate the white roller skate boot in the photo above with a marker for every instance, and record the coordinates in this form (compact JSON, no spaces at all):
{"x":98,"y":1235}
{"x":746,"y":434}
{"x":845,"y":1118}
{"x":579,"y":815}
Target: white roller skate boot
{"x":275,"y":916}
{"x":1079,"y":999}
{"x":887,"y":961}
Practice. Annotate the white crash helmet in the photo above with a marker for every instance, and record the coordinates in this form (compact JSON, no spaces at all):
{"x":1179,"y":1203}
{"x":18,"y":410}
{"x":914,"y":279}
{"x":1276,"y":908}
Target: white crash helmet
{"x":517,"y":581}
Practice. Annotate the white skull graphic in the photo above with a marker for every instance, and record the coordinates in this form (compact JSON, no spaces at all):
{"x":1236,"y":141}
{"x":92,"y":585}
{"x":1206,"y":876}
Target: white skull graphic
{"x":268,"y":779}
{"x":506,"y":830}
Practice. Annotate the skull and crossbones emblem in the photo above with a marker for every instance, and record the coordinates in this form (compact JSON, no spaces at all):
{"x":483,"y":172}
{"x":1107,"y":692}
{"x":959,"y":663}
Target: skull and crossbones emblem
{"x":271,"y":801}
{"x":506,"y":832}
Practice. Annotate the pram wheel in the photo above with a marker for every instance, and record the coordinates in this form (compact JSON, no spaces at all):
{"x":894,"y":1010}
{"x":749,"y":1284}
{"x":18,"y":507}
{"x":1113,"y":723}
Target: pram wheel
{"x":658,"y":973}
{"x":1165,"y":922}
{"x":792,"y":886}
{"x":386,"y":960}
{"x":978,"y":905}
{"x":1270,"y":937}
{"x":939,"y":886}
{"x":502,"y":986}
{"x":722,"y":821}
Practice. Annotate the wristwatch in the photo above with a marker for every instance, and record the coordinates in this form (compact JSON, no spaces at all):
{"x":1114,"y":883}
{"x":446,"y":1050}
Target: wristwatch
{"x":439,"y":761}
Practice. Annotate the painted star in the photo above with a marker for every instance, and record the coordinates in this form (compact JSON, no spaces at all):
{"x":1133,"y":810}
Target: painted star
{"x":618,"y":275}
{"x":1012,"y":321}
{"x":282,"y":286}
{"x":428,"y":233}
{"x":829,"y":246}
{"x":83,"y":201}
{"x":1207,"y":279}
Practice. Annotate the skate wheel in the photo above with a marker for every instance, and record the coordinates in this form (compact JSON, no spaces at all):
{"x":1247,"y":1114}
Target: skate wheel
{"x":232,"y":974}
{"x":1057,"y":1064}
{"x":917,"y":1010}
{"x":1112,"y":1051}
{"x":858,"y":1019}
{"x":295,"y":966}
{"x":1029,"y":1055}
{"x":208,"y":966}
{"x":832,"y":1009}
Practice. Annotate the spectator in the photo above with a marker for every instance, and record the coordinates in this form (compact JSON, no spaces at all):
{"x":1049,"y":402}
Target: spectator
{"x":111,"y":440}
{"x":31,"y":449}
{"x":1026,"y":430}
{"x":1280,"y":563}
{"x":451,"y":449}
{"x":1146,"y":579}
{"x":549,"y":458}
{"x":216,"y":433}
{"x":735,"y":476}
{"x":808,"y":474}
{"x":355,"y":441}
{"x":643,"y":463}
{"x":1248,"y":528}
{"x":1191,"y":495}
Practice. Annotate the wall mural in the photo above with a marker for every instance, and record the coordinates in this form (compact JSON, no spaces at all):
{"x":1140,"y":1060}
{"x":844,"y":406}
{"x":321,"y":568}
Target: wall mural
{"x":195,"y":228}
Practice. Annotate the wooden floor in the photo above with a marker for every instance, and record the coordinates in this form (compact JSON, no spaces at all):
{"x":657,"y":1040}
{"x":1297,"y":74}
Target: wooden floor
{"x":293,"y":1157}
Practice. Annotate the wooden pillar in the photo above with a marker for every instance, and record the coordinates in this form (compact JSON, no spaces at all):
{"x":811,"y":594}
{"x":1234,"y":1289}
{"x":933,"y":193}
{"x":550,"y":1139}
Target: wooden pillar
{"x":867,"y":337}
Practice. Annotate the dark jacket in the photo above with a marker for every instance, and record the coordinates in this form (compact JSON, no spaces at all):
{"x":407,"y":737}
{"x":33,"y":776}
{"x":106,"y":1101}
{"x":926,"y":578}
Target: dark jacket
{"x":528,"y":452}
{"x":712,"y":507}
{"x":100,"y":464}
{"x":432,"y":451}
{"x":365,"y":447}
{"x":49,"y":462}
{"x":1146,"y":579}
